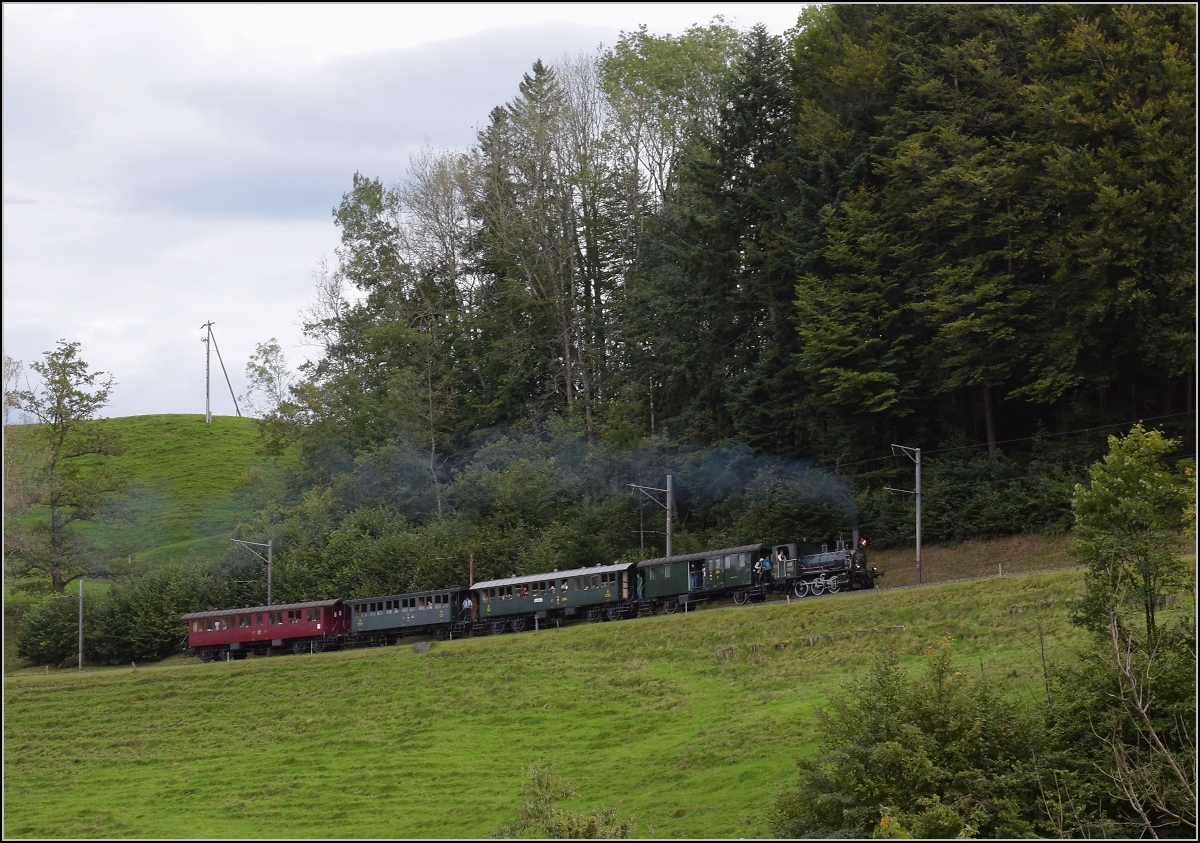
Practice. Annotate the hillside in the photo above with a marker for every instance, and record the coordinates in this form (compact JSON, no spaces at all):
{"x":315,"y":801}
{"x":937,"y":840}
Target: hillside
{"x":645,"y":716}
{"x":182,"y":498}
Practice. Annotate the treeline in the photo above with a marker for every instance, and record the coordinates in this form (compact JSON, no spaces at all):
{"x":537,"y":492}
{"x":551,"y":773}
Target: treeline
{"x":937,"y":225}
{"x":945,"y":226}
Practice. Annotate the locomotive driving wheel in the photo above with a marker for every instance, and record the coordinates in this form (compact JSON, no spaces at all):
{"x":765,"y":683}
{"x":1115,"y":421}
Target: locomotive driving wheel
{"x":817,"y":587}
{"x":833,"y":586}
{"x":741,"y":596}
{"x":800,"y":588}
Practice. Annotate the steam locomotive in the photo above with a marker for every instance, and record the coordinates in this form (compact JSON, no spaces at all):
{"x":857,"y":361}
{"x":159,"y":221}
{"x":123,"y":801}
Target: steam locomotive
{"x":621,"y":590}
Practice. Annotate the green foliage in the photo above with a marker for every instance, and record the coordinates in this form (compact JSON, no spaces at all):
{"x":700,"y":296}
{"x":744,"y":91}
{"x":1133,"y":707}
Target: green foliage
{"x":138,"y":618}
{"x":971,"y":497}
{"x":71,"y":479}
{"x":1139,"y":700}
{"x":50,"y":631}
{"x":538,"y":817}
{"x":1128,"y":521}
{"x":940,"y":755}
{"x":1117,"y":737}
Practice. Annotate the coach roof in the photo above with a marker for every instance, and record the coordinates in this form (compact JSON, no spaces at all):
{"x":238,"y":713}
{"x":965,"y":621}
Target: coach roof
{"x":220,"y":613}
{"x":708,"y":554}
{"x":554,"y":575}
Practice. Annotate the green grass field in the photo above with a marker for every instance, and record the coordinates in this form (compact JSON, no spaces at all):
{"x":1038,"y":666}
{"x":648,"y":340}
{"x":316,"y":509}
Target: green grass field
{"x":185,"y":474}
{"x":645,"y":716}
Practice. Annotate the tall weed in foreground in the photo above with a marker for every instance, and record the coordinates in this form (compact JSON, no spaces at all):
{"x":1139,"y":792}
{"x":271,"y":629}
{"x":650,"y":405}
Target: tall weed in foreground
{"x":538,"y":817}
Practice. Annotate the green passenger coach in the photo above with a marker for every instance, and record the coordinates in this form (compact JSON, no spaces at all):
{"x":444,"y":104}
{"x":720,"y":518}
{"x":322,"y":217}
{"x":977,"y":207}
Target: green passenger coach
{"x":689,"y":577}
{"x":405,"y":614}
{"x":602,"y":590}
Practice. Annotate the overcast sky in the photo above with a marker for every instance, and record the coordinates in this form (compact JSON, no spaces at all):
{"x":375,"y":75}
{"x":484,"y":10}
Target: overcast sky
{"x":169,"y":165}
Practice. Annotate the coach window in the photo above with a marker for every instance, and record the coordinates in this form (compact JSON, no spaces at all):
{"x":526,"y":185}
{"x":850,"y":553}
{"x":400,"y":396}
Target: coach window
{"x":666,"y":571}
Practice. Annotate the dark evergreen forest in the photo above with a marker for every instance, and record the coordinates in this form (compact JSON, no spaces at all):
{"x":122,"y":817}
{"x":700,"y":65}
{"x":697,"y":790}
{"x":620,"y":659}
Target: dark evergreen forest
{"x":755,"y":262}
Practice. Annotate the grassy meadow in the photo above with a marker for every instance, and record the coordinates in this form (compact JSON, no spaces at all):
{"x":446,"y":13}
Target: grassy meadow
{"x":690,"y":724}
{"x":185,"y":476}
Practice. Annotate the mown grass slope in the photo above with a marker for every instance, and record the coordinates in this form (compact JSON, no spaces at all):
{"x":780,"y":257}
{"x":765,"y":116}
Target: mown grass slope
{"x":645,"y":716}
{"x":183,"y":475}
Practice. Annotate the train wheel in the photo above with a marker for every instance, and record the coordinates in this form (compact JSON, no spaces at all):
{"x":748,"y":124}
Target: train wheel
{"x":441,"y":634}
{"x":671,"y":607}
{"x":318,"y":647}
{"x":594,"y":614}
{"x":299,"y":647}
{"x":498,"y":627}
{"x":614,"y":612}
{"x":518,"y":624}
{"x":223,"y":655}
{"x":833,"y":586}
{"x":800,"y":588}
{"x":741,"y":596}
{"x":817,"y":587}
{"x":206,"y":656}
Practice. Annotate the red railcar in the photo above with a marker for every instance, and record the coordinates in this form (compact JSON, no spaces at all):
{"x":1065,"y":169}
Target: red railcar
{"x":235,"y":633}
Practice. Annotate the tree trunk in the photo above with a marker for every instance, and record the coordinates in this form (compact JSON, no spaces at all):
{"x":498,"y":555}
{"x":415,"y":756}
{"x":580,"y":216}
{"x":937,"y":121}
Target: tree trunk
{"x":989,"y":414}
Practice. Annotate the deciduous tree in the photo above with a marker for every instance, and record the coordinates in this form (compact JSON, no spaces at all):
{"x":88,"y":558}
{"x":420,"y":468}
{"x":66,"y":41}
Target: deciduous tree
{"x":76,"y":479}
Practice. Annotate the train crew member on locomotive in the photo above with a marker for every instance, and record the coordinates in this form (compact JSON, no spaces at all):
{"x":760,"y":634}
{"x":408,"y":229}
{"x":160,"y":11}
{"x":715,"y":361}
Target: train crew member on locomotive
{"x":615,"y":591}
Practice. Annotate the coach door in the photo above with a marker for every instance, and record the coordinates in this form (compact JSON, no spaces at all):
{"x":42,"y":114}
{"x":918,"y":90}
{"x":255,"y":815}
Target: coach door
{"x":716,"y":573}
